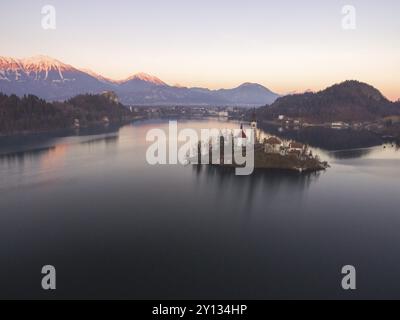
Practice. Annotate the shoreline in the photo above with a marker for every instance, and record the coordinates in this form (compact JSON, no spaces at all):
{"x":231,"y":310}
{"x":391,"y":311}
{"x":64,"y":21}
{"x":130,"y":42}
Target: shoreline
{"x":96,"y":125}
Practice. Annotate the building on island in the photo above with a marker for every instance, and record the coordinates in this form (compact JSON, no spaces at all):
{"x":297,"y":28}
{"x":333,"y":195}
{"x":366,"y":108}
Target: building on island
{"x":296,"y":146}
{"x":254,"y":127}
{"x":272,"y":145}
{"x":298,"y":149}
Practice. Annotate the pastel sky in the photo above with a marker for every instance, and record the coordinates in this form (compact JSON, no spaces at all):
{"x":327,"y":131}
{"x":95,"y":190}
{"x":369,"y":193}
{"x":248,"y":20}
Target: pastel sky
{"x":286,"y":45}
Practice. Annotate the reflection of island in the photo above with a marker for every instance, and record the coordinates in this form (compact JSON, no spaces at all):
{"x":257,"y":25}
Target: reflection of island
{"x":272,"y":179}
{"x":242,"y":190}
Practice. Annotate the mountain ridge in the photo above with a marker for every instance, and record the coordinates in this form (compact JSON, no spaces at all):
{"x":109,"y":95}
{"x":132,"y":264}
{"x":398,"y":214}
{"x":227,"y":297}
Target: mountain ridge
{"x":347,"y":101}
{"x":51,"y":79}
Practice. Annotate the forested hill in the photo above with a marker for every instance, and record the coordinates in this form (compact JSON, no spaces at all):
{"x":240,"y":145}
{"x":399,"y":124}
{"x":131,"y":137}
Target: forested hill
{"x":32,"y":114}
{"x":348,"y":101}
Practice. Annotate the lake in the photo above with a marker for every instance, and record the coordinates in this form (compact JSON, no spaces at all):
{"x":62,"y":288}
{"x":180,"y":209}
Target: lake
{"x":116,"y":227}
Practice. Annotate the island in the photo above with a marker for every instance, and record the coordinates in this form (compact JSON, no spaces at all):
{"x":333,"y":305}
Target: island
{"x":270,"y":152}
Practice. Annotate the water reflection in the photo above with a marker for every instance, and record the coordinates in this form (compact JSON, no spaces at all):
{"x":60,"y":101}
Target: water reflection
{"x":32,"y":142}
{"x":39,"y":155}
{"x":56,"y":150}
{"x":387,"y":151}
{"x":327,"y":138}
{"x":211,"y":231}
{"x":107,"y":140}
{"x":245,"y":192}
{"x":350,"y":154}
{"x":21,"y":156}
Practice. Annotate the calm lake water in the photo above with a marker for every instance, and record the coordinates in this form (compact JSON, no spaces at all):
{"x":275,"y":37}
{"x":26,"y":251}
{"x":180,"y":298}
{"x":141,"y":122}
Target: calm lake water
{"x":116,"y":227}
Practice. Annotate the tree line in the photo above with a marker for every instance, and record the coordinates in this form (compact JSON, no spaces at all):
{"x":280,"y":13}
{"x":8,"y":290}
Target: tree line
{"x":30,"y":113}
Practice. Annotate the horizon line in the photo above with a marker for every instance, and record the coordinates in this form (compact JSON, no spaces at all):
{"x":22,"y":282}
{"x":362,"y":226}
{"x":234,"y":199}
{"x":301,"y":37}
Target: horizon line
{"x":98,"y":75}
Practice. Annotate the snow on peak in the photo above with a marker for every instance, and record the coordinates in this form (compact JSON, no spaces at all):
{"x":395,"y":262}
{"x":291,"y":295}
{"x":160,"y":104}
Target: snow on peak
{"x":7,"y":63}
{"x":41,"y":66}
{"x":37,"y":68}
{"x":147,"y":78}
{"x":44,"y":63}
{"x":35,"y":64}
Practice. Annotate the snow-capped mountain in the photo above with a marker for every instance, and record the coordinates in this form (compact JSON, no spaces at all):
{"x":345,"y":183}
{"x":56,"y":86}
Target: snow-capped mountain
{"x":51,"y":79}
{"x":39,"y":68}
{"x":144,"y":77}
{"x":45,"y":77}
{"x":139,"y":82}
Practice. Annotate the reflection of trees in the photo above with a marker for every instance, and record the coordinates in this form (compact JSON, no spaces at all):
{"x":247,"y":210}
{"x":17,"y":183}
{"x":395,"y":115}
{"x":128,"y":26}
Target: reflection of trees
{"x":16,"y":151}
{"x":107,"y":139}
{"x":327,"y":138}
{"x":22,"y":156}
{"x":350,"y":154}
{"x":270,"y":185}
{"x":94,"y":130}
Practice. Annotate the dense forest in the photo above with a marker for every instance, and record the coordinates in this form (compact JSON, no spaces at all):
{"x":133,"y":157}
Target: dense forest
{"x":32,"y":114}
{"x":350,"y":101}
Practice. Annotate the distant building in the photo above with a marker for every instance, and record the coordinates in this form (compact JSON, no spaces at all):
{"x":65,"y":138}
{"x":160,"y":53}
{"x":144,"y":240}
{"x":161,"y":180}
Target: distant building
{"x":254,"y":126}
{"x":296,"y":146}
{"x":298,"y":149}
{"x":111,"y":95}
{"x":339,"y":125}
{"x":272,"y":145}
{"x":242,"y":138}
{"x":283,"y":151}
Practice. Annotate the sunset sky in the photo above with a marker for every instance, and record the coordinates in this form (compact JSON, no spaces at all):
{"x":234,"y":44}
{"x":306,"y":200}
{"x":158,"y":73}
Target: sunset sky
{"x":285,"y":45}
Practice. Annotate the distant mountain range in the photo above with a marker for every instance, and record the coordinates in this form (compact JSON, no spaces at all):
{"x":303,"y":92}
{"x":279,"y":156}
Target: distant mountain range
{"x":53,"y":80}
{"x":347,"y":101}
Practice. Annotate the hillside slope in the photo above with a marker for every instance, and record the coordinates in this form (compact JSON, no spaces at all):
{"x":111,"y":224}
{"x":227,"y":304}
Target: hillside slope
{"x":348,"y":101}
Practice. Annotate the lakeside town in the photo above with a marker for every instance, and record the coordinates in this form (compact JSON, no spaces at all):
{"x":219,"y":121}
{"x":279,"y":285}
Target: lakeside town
{"x":387,"y":127}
